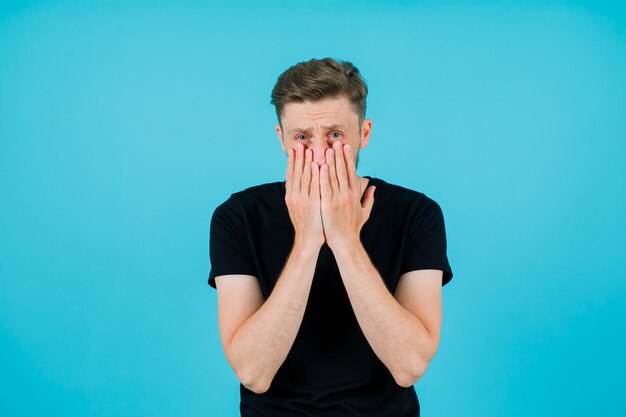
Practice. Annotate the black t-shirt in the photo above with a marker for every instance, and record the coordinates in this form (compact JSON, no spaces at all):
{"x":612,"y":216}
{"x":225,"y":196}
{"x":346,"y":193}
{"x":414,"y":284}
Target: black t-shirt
{"x":331,"y":370}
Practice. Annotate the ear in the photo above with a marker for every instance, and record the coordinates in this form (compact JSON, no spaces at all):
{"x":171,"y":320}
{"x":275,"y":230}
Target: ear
{"x":279,"y":132}
{"x":366,"y":130}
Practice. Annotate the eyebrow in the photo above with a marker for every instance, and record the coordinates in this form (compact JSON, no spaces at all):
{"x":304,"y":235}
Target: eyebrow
{"x":308,"y":129}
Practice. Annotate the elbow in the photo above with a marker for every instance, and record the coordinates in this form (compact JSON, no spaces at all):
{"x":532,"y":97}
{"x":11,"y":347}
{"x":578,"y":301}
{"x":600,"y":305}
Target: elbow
{"x":259,"y":388}
{"x":413,"y":371}
{"x":253,"y":382}
{"x":249,"y":373}
{"x":409,"y":376}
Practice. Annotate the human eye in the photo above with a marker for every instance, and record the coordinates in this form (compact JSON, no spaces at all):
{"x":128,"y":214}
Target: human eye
{"x":336,"y":135}
{"x":300,"y":137}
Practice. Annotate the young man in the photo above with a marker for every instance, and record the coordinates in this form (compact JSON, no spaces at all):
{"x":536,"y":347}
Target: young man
{"x":328,"y":284}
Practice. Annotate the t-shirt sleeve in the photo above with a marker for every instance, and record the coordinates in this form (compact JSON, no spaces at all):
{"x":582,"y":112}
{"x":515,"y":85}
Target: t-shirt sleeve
{"x":425,"y":245}
{"x":229,"y":250}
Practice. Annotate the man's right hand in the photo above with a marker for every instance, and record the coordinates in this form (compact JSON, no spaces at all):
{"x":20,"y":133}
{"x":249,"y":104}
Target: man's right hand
{"x":303,"y":196}
{"x":258,"y":332}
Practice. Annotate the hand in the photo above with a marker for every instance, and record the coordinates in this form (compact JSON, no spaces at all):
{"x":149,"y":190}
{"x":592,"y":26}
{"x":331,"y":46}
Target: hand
{"x":303,"y":196}
{"x":343,"y":216}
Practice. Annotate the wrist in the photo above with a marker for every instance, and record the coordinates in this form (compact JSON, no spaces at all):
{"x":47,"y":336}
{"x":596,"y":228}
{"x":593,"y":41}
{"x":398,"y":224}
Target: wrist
{"x":344,"y":245}
{"x":307,"y":245}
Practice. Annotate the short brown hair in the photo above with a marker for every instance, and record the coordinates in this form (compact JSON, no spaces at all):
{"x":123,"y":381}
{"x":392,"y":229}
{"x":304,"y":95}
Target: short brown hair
{"x":318,"y":79}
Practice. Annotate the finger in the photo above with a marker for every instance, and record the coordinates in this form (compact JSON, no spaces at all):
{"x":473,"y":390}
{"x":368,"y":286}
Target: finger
{"x":340,"y":167}
{"x":353,"y":178}
{"x":306,"y":175}
{"x":315,"y":180}
{"x":332,"y":175}
{"x":368,"y":201}
{"x":325,"y":188}
{"x":289,"y":172}
{"x":297,"y":170}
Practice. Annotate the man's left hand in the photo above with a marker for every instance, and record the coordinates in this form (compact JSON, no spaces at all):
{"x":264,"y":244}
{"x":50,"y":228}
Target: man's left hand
{"x":343,"y":215}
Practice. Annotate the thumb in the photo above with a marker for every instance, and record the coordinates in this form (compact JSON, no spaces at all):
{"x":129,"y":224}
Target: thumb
{"x":368,"y":199}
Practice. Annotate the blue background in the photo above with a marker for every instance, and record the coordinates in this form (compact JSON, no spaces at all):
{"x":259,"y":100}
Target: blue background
{"x":123,"y":125}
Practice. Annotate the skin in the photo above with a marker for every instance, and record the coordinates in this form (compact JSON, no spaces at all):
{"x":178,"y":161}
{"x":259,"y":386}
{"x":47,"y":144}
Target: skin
{"x":323,"y":197}
{"x":322,"y":140}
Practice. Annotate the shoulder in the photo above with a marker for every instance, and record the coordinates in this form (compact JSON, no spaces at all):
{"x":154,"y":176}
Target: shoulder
{"x":242,"y":201}
{"x":398,"y":196}
{"x":260,"y":192}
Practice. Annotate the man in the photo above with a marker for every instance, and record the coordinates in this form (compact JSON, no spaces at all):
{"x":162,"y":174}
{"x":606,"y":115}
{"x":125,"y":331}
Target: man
{"x":328,"y":284}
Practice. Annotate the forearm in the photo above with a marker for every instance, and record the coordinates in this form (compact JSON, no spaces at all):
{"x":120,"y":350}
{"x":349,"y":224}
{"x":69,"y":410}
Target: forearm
{"x":398,"y":337}
{"x":261,"y":344}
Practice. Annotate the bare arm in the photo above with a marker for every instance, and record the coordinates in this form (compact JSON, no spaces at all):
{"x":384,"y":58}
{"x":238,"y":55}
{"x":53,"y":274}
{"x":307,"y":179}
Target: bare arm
{"x":263,"y":332}
{"x":260,"y":345}
{"x":403,"y":330}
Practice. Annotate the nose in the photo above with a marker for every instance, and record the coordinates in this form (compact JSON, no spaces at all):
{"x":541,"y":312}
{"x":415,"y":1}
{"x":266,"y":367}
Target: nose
{"x":319,"y":146}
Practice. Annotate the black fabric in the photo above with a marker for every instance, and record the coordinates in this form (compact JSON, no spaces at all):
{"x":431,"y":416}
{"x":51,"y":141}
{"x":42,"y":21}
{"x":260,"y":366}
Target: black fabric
{"x":331,"y":369}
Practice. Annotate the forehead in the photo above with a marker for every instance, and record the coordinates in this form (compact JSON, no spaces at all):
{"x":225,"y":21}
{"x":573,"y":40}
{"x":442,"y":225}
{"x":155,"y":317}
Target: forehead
{"x":334,"y":110}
